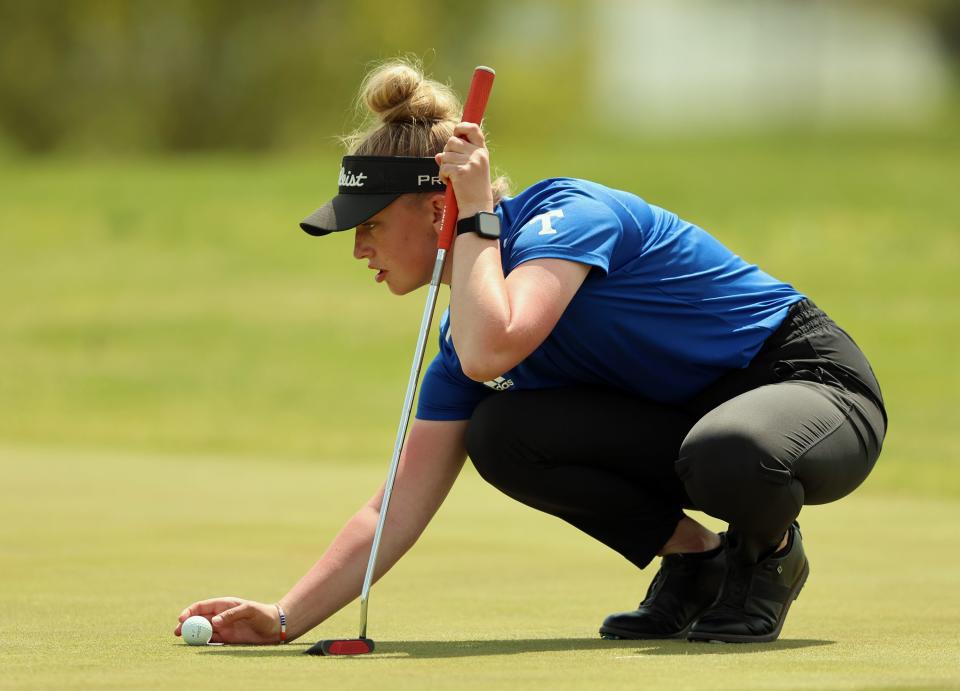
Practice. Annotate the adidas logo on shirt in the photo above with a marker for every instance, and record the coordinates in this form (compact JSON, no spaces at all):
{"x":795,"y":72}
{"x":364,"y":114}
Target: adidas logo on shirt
{"x":499,"y":384}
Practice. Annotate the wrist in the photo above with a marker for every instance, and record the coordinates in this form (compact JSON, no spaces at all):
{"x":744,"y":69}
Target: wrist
{"x":296,"y":625}
{"x":281,"y":624}
{"x":472,"y":209}
{"x":484,"y":224}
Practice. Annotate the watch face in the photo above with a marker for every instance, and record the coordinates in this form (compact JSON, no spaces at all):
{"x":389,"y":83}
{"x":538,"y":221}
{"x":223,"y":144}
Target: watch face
{"x":489,"y":225}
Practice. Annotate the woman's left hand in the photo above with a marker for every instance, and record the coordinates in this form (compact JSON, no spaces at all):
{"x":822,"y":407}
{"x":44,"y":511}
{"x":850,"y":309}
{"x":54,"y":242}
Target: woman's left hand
{"x":465,"y":162}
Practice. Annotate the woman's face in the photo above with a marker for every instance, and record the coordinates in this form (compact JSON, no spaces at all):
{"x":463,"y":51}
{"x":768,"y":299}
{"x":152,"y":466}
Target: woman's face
{"x":400,"y":242}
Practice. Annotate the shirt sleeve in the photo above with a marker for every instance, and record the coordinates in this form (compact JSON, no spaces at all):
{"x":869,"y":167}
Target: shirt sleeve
{"x":570,"y":226}
{"x":446,"y":393}
{"x":445,"y":397}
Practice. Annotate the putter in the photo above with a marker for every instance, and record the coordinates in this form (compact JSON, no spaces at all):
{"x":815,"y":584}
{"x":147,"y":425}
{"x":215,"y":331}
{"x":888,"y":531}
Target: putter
{"x":473,"y":110}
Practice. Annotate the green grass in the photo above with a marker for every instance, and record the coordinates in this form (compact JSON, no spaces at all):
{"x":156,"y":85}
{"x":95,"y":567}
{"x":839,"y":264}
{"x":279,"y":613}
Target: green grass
{"x":194,"y":396}
{"x":173,"y":305}
{"x":104,"y":550}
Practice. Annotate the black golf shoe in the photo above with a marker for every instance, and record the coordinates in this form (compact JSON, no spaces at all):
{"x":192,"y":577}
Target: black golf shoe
{"x":685,"y":586}
{"x":755,"y":598}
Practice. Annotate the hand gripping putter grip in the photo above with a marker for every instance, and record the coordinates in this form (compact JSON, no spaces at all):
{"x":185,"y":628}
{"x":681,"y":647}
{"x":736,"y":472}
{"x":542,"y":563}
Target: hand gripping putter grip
{"x":472,"y":112}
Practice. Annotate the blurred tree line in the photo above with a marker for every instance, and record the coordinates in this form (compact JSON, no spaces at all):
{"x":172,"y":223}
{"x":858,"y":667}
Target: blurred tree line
{"x":183,"y":75}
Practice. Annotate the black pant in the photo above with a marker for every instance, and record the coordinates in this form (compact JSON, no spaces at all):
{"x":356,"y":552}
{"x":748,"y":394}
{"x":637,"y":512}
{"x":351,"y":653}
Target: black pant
{"x":802,"y":424}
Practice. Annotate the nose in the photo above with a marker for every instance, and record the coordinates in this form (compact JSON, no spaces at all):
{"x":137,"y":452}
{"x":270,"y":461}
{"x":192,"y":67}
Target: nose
{"x":361,"y":246}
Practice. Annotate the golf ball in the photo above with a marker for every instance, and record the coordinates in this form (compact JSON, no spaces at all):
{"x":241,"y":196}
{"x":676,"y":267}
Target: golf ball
{"x":196,"y":631}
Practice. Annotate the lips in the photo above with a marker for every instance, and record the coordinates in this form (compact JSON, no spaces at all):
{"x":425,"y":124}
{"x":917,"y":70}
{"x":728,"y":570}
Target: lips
{"x":381,"y":274}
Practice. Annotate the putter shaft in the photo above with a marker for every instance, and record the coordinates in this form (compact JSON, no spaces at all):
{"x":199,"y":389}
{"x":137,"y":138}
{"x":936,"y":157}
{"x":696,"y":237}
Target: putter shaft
{"x":415,"y":368}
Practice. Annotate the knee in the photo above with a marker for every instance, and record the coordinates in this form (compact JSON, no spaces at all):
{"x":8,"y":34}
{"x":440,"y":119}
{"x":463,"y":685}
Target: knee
{"x":727,"y":457}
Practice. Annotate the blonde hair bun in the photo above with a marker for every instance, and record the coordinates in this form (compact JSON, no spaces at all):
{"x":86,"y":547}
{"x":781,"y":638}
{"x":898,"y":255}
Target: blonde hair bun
{"x":411,"y":116}
{"x":398,"y":92}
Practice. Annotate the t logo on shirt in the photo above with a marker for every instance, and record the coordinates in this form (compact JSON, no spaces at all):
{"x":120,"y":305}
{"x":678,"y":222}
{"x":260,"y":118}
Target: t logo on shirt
{"x":545,"y":227}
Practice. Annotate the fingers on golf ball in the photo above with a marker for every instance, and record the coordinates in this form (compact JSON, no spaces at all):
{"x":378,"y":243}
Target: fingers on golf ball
{"x":196,"y":630}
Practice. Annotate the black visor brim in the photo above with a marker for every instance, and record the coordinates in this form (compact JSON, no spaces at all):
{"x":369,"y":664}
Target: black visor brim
{"x":346,"y":211}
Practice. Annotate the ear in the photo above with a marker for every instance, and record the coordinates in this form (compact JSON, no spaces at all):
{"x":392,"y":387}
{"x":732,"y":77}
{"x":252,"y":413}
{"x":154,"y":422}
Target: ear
{"x":436,"y":206}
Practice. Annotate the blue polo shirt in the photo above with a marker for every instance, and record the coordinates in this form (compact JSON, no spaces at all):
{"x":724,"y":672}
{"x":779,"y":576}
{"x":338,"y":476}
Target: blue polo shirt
{"x":665,"y":310}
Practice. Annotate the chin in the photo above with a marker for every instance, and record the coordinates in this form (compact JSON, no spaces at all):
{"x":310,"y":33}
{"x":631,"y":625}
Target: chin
{"x":404,"y":289}
{"x":398,"y":289}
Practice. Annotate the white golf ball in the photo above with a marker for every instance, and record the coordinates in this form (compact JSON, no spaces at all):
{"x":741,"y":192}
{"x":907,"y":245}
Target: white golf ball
{"x":196,"y":630}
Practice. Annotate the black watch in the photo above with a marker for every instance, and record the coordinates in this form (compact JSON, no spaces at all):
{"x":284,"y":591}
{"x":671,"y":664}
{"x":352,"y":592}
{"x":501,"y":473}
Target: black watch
{"x":484,"y":224}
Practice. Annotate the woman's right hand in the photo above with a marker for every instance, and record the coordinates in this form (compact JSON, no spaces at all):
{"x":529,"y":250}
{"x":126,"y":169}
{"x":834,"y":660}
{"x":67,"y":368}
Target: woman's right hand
{"x":236,"y":620}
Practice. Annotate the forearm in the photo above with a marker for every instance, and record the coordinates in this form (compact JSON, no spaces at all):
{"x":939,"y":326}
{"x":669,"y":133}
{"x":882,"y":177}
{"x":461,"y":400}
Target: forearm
{"x":496,"y":322}
{"x":433,"y":457}
{"x":480,"y":310}
{"x":336,"y":578}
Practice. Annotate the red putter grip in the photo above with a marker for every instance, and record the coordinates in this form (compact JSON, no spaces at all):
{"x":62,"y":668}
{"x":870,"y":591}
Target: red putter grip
{"x":473,"y":110}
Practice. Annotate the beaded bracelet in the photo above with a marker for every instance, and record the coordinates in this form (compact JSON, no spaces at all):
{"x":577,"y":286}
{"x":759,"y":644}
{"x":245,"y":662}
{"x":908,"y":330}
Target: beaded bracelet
{"x":283,"y":623}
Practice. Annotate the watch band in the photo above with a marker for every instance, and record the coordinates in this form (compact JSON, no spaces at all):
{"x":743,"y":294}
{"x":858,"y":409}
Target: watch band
{"x":485,"y":224}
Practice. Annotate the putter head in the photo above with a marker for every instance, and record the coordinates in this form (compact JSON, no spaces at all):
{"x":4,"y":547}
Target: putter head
{"x":342,"y":646}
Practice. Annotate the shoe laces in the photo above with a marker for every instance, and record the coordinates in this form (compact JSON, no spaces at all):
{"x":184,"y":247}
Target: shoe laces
{"x":667,"y":566}
{"x":655,"y":585}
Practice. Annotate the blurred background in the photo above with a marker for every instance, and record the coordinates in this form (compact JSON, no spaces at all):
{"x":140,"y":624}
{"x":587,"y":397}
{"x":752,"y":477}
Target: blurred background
{"x":135,"y":77}
{"x":155,"y":158}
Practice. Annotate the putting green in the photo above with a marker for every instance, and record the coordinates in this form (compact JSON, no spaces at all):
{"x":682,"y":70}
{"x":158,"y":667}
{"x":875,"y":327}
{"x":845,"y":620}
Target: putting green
{"x":99,"y":553}
{"x":173,"y":349}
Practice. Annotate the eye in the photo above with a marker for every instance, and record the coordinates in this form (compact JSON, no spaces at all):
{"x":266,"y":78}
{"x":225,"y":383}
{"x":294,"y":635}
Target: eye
{"x":368,"y":226}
